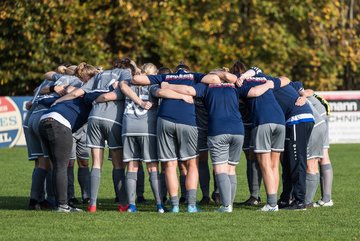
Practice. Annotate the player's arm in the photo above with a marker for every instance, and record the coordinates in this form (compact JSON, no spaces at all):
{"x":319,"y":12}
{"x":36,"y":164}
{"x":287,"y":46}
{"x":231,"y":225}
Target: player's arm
{"x":224,"y":76}
{"x":170,"y":94}
{"x":125,"y":88}
{"x":308,"y":92}
{"x":211,"y":79}
{"x":70,"y":96}
{"x":140,"y":80}
{"x":58,"y":89}
{"x":260,"y":89}
{"x":182,"y":89}
{"x":106,"y":97}
{"x":284,"y":81}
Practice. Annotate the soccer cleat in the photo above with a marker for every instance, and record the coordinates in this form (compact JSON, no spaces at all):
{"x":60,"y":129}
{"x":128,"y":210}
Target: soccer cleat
{"x":64,"y":208}
{"x":252,"y":201}
{"x":309,"y":205}
{"x":34,"y":205}
{"x":283,"y":204}
{"x":45,"y":205}
{"x":321,"y":203}
{"x":91,"y":208}
{"x":296,"y":206}
{"x":132,"y":208}
{"x":141,"y":200}
{"x":86,"y":200}
{"x":193,"y":209}
{"x":123,"y":208}
{"x":160,"y":208}
{"x":204,"y":201}
{"x":225,"y":209}
{"x":182,"y":200}
{"x":175,"y":209}
{"x":215,"y":197}
{"x":73,"y":201}
{"x":268,"y":208}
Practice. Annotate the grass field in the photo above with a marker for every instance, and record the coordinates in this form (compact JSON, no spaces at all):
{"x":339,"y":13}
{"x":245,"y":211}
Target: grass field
{"x":341,"y":222}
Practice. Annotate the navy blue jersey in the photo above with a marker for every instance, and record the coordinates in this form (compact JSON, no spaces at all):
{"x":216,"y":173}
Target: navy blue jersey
{"x":177,"y":111}
{"x":286,"y":97}
{"x":264,"y":109}
{"x":75,"y":111}
{"x":222,"y":103}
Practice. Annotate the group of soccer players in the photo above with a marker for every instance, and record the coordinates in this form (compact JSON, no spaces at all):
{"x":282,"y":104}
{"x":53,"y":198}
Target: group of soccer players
{"x":175,"y":119}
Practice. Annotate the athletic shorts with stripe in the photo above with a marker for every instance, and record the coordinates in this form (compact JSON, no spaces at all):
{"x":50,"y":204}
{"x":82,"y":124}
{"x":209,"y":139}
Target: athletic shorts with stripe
{"x":225,"y":148}
{"x":140,"y":148}
{"x":35,"y":145}
{"x":99,"y":131}
{"x":176,"y":141}
{"x":315,"y":148}
{"x":268,"y":137}
{"x":79,"y":149}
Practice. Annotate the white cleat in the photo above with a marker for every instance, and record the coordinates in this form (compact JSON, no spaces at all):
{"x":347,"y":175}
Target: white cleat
{"x":225,"y":209}
{"x":321,"y":203}
{"x":268,"y":208}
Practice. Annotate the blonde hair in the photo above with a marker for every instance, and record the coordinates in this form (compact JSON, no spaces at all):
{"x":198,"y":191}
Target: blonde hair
{"x":70,"y":70}
{"x":85,"y":71}
{"x":149,"y":69}
{"x":225,"y":69}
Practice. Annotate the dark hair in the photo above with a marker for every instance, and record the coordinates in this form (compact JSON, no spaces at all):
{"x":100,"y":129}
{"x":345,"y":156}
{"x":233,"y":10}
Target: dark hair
{"x":164,"y":70}
{"x":124,"y":63}
{"x":183,"y":66}
{"x":238,"y":68}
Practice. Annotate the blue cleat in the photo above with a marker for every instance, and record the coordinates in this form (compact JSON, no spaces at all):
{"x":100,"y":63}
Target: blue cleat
{"x":193,"y":209}
{"x":160,"y":208}
{"x":175,"y":209}
{"x":132,"y":208}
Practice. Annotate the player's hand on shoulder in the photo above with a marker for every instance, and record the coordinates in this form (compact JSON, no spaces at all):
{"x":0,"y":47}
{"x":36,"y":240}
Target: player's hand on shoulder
{"x":300,"y":101}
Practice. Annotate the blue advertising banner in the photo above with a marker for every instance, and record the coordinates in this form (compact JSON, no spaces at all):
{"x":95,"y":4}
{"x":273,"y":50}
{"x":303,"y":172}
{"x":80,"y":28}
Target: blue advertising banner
{"x":12,"y":114}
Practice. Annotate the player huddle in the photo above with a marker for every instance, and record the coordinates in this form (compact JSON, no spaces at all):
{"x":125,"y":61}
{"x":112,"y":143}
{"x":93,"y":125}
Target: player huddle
{"x":156,"y":116}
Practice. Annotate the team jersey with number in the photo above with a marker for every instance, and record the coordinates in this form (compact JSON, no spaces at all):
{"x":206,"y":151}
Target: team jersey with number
{"x":138,"y":121}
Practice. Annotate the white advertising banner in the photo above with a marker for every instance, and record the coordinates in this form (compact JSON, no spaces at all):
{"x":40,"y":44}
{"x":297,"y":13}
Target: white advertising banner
{"x":344,"y":126}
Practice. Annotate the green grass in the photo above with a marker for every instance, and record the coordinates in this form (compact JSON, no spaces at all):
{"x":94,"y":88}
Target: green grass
{"x":341,"y":222}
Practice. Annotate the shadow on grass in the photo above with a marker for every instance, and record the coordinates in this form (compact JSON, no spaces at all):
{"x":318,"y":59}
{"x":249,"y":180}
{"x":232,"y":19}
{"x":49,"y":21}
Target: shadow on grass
{"x":103,"y":204}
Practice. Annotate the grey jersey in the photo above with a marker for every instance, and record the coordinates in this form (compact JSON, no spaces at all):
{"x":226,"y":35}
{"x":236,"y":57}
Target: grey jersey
{"x":58,"y":80}
{"x":68,"y":80}
{"x":318,"y":106}
{"x":317,"y":116}
{"x":113,"y":110}
{"x":201,"y":114}
{"x":138,"y":121}
{"x":38,"y":107}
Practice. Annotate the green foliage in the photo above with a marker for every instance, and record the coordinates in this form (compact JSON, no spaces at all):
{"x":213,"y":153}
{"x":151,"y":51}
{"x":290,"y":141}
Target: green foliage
{"x":315,"y":41}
